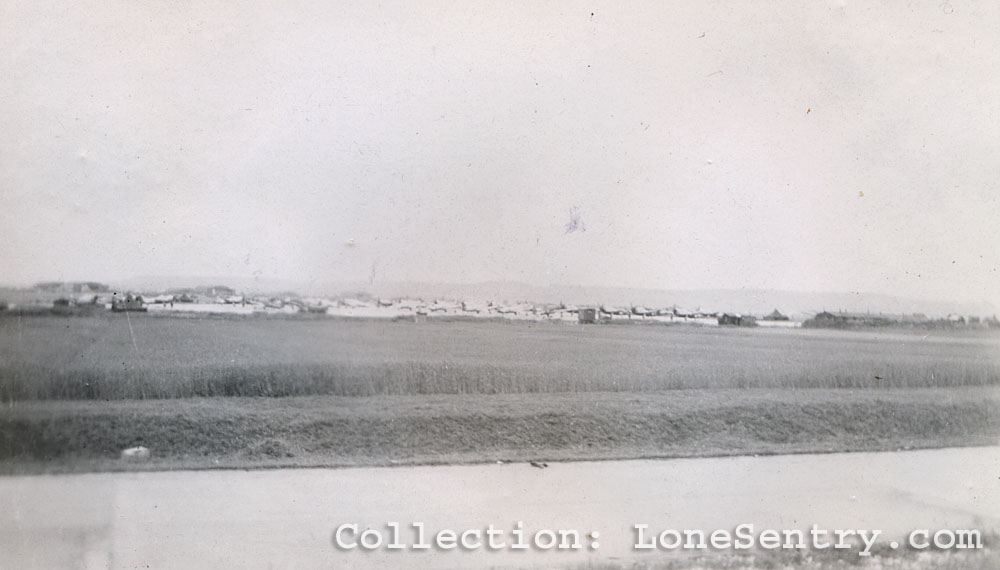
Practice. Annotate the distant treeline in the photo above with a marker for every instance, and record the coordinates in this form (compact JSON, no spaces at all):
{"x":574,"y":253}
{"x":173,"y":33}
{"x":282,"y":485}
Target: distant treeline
{"x":827,"y":319}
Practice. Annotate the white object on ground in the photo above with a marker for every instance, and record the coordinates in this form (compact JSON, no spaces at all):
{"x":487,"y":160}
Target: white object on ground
{"x":139,"y":453}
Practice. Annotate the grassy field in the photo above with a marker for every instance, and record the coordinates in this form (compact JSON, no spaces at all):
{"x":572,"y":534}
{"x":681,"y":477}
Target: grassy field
{"x":116,"y":356}
{"x":77,"y":390}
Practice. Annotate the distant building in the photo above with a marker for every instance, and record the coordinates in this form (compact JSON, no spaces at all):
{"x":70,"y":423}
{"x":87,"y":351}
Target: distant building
{"x":730,"y":319}
{"x":129,"y":302}
{"x":72,"y":306}
{"x":63,"y":306}
{"x":775,"y":315}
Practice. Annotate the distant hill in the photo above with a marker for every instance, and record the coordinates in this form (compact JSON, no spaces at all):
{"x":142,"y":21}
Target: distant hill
{"x":71,"y":287}
{"x":163,"y":284}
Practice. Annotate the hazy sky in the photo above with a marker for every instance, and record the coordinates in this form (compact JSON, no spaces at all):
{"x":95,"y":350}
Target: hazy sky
{"x":825,"y":146}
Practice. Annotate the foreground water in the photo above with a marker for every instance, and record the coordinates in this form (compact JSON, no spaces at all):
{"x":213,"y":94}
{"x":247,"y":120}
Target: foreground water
{"x":288,"y":518}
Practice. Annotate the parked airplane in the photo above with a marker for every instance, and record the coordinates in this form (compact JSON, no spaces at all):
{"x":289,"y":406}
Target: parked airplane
{"x":643,"y":311}
{"x":613,"y":311}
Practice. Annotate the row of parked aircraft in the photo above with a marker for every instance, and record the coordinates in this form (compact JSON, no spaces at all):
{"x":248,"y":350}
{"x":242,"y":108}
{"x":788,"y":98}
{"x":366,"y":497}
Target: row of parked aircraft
{"x":384,"y":306}
{"x":545,"y":309}
{"x":432,"y":307}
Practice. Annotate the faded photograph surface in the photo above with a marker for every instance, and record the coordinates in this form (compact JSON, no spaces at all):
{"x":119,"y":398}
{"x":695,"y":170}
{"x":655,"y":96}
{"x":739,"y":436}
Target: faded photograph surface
{"x":491,"y":285}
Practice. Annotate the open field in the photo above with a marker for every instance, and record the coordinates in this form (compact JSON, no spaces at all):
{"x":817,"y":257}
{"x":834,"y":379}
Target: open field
{"x":142,"y":356}
{"x":77,"y":390}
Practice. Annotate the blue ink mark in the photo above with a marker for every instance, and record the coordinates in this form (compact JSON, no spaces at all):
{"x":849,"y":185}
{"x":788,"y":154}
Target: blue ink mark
{"x":575,"y":223}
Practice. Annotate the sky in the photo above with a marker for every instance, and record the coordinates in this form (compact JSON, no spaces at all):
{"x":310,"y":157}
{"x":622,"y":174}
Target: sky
{"x":801,"y":146}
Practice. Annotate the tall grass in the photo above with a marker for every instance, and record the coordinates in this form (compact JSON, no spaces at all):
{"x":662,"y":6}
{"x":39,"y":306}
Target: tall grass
{"x":401,"y":378}
{"x":102,"y":358}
